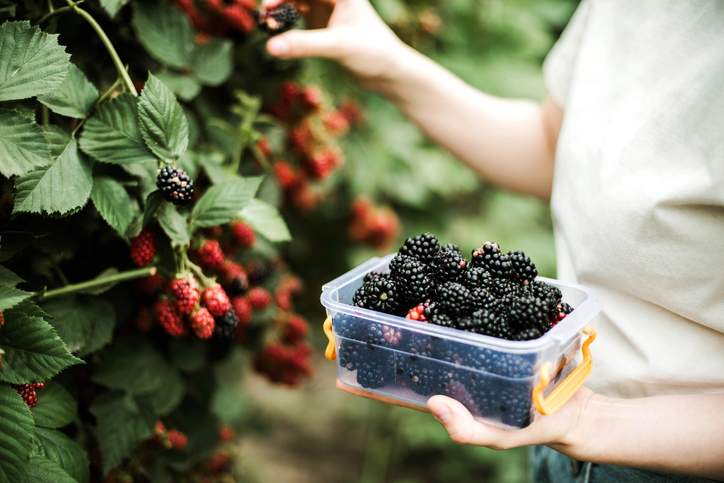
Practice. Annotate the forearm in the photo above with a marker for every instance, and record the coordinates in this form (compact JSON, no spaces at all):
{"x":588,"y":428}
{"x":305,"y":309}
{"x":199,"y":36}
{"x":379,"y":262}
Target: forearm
{"x":509,"y":142}
{"x":680,"y":434}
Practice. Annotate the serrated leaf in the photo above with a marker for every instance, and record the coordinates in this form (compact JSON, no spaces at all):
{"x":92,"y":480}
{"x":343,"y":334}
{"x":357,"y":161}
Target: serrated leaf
{"x":132,"y":365}
{"x":8,"y":277}
{"x":56,"y":407}
{"x":167,"y":396}
{"x":163,"y":123}
{"x":85,"y":324}
{"x":22,"y":144}
{"x":113,"y":6}
{"x":185,"y":87}
{"x":11,"y":296}
{"x":113,"y":203}
{"x":16,"y":430}
{"x":266,"y":220}
{"x":57,"y":139}
{"x":222,"y":202}
{"x":32,"y":62}
{"x":173,"y":224}
{"x":74,"y":97}
{"x":165,"y":32}
{"x":66,"y":453}
{"x":33,"y":350}
{"x":59,"y":188}
{"x":122,"y":424}
{"x":212,"y":62}
{"x":111,"y":134}
{"x":153,"y":203}
{"x":43,"y":470}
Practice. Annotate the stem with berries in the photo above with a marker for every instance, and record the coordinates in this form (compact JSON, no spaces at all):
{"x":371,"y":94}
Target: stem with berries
{"x":96,"y":283}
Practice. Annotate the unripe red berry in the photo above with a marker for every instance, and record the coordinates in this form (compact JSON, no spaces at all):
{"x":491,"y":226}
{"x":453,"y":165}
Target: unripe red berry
{"x":216,"y":300}
{"x":2,"y":319}
{"x":177,"y":439}
{"x":243,"y":309}
{"x":210,"y":255}
{"x":219,"y":462}
{"x":169,"y":319}
{"x":295,"y":329}
{"x":143,"y":248}
{"x":286,"y":175}
{"x":28,"y":393}
{"x":259,"y":298}
{"x":243,"y":234}
{"x":186,"y":293}
{"x":202,"y":322}
{"x":417,"y":313}
{"x":226,"y":433}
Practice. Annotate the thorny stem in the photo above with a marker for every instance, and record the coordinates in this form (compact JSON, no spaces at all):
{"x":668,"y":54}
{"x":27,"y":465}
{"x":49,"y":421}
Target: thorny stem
{"x":97,"y":282}
{"x":122,"y":72}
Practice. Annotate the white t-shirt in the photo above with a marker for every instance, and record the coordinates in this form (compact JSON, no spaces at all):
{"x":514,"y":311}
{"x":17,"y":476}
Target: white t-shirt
{"x":638,"y":192}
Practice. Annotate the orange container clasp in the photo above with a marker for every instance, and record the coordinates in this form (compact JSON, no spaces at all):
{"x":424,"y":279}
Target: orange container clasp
{"x":560,"y":395}
{"x":330,"y":353}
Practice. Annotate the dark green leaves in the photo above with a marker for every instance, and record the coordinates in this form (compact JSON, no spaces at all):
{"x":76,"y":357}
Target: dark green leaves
{"x":56,"y":407}
{"x":266,"y":220}
{"x":222,"y":202}
{"x":212,"y":62}
{"x":84,"y":323}
{"x":162,"y":121}
{"x":173,"y":224}
{"x":75,"y":96}
{"x":22,"y":144}
{"x":66,"y":453}
{"x":16,"y":430}
{"x":113,"y":203}
{"x":164,"y":31}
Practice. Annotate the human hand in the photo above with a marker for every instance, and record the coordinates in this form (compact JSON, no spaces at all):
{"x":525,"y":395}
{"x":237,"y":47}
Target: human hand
{"x":354,"y":35}
{"x":560,"y":430}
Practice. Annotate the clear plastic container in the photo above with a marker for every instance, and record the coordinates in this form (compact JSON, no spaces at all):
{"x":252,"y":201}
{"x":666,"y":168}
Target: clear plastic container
{"x":501,"y":382}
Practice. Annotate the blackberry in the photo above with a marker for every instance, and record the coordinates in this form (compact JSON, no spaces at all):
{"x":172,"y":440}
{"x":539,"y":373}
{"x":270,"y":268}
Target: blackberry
{"x":476,"y":277}
{"x":442,"y":319}
{"x":349,"y":326}
{"x":513,"y":404}
{"x":492,"y":259}
{"x":226,"y":325}
{"x":411,"y":275}
{"x":528,"y":334}
{"x":418,"y":374}
{"x":470,"y":324}
{"x":424,"y":247}
{"x":383,"y":335}
{"x":176,"y":186}
{"x":349,"y":354}
{"x":453,"y":352}
{"x":528,"y":311}
{"x":521,"y":267}
{"x":449,"y":264}
{"x":278,"y":20}
{"x":380,"y":293}
{"x":494,"y":323}
{"x":550,"y":294}
{"x":483,"y":299}
{"x":506,"y":364}
{"x":396,"y":263}
{"x":372,"y":375}
{"x":505,"y":290}
{"x":565,"y":308}
{"x":453,"y":298}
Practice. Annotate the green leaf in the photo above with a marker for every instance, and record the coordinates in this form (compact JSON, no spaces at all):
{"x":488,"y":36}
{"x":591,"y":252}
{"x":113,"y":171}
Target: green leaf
{"x":153,"y":203}
{"x":122,"y":424}
{"x":222,"y":202}
{"x":162,"y":121}
{"x":265,"y":219}
{"x":113,"y":203}
{"x":165,"y":32}
{"x":56,"y":407}
{"x":185,"y":87}
{"x":16,"y":430}
{"x":212,"y":62}
{"x":60,"y":188}
{"x":113,"y":6}
{"x":111,"y":134}
{"x":80,"y":321}
{"x":57,"y":139}
{"x":33,"y":350}
{"x":22,"y":144}
{"x":74,"y":97}
{"x":31,"y":61}
{"x":167,"y":396}
{"x":8,"y":277}
{"x":43,"y":470}
{"x":66,"y":453}
{"x":11,"y":296}
{"x":173,"y":224}
{"x":132,"y":365}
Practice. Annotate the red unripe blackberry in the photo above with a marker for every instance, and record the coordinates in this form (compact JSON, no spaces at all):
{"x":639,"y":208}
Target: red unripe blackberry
{"x":210,"y":255}
{"x":226,"y":433}
{"x":202,"y":322}
{"x":29,"y":394}
{"x":243,"y":234}
{"x":286,"y":175}
{"x":177,"y":439}
{"x":216,"y":300}
{"x":243,"y":309}
{"x":219,"y":462}
{"x":150,"y":285}
{"x":295,"y":329}
{"x":186,"y":293}
{"x":336,"y":123}
{"x":143,"y":248}
{"x":310,"y":96}
{"x":175,"y":185}
{"x":260,"y":298}
{"x":169,"y":319}
{"x":417,"y":313}
{"x":2,"y":319}
{"x":159,"y":428}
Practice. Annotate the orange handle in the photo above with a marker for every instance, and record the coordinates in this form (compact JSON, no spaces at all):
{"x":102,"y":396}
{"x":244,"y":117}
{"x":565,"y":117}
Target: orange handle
{"x":566,"y":388}
{"x":330,"y":353}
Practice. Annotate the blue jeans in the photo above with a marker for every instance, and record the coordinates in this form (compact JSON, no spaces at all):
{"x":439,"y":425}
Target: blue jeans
{"x":550,"y":466}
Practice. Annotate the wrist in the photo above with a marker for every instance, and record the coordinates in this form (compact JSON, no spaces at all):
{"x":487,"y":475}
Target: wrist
{"x":584,"y":430}
{"x":402,"y":72}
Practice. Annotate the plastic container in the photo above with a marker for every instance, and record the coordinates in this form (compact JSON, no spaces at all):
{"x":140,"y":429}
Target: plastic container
{"x":501,"y":382}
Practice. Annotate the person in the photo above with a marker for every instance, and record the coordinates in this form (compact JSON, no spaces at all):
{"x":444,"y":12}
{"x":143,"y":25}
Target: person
{"x":629,"y":148}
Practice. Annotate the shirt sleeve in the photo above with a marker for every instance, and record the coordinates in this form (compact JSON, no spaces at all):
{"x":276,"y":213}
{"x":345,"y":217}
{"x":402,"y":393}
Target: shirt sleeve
{"x":560,"y":61}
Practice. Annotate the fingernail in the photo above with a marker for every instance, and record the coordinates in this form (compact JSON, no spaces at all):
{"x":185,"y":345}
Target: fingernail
{"x":278,"y":46}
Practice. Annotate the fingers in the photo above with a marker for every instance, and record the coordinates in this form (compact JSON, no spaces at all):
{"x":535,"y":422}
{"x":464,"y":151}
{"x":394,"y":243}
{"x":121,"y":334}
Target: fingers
{"x":269,"y":4}
{"x":307,"y":43}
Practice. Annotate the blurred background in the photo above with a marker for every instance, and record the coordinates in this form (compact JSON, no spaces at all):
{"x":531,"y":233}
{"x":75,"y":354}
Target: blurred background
{"x":393,"y":184}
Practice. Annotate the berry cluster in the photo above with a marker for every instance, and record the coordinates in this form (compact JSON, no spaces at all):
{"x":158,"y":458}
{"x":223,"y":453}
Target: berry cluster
{"x":29,"y":392}
{"x":220,"y":17}
{"x":494,"y":293}
{"x":170,"y":438}
{"x":277,"y":20}
{"x":373,"y":225}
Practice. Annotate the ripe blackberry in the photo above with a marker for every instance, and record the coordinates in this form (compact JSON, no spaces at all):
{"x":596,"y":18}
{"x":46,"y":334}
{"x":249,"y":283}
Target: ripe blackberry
{"x":176,"y":186}
{"x":513,"y":403}
{"x":528,"y":311}
{"x":380,"y":293}
{"x":259,"y":298}
{"x":278,"y":20}
{"x":210,"y":255}
{"x":186,"y":293}
{"x":422,"y":345}
{"x":258,"y":271}
{"x":563,"y":310}
{"x":505,"y":290}
{"x":202,"y":323}
{"x":349,"y":354}
{"x":411,"y":275}
{"x":143,"y":248}
{"x":449,"y":264}
{"x":453,"y":298}
{"x":372,"y":375}
{"x":528,"y":334}
{"x":483,"y":299}
{"x":494,"y":323}
{"x":492,"y":259}
{"x":521,"y":267}
{"x":216,"y":300}
{"x":349,"y":326}
{"x":420,"y":375}
{"x":169,"y":319}
{"x":424,"y":247}
{"x":506,"y":364}
{"x":383,"y":335}
{"x":469,"y":323}
{"x":234,"y":278}
{"x":442,"y":319}
{"x":225,"y":325}
{"x":476,"y":277}
{"x":453,"y":352}
{"x":243,"y":234}
{"x":550,"y":294}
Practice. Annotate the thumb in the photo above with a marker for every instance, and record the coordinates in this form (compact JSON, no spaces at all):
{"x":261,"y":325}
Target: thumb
{"x":457,"y":420}
{"x":308,"y":43}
